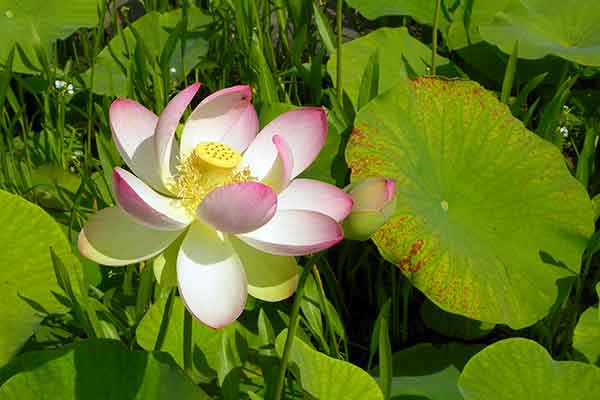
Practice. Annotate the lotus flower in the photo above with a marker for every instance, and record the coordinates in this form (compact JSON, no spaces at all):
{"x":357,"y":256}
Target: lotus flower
{"x":374,"y":204}
{"x":229,"y":192}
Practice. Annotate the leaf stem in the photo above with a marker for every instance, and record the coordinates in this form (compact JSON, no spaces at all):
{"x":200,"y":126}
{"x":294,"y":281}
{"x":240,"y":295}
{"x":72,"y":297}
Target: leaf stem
{"x":329,"y":326}
{"x":187,"y":342}
{"x":292,"y":328}
{"x":338,"y":20}
{"x":580,"y":282}
{"x":406,"y":291}
{"x":436,"y":20}
{"x":164,"y":323}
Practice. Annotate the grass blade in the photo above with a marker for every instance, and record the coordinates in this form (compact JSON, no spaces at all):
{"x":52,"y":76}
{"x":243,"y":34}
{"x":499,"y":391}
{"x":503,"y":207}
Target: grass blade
{"x":369,"y":84}
{"x":509,"y":74}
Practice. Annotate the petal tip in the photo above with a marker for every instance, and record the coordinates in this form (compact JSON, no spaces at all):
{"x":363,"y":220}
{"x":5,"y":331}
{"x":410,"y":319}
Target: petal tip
{"x":238,"y":208}
{"x":194,"y":86}
{"x":390,"y":185}
{"x":246,"y":90}
{"x":347,"y":205}
{"x":120,"y":104}
{"x":82,"y":244}
{"x":319,"y":113}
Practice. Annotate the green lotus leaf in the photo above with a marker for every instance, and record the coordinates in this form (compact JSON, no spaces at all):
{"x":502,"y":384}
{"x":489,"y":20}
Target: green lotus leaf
{"x":466,"y":19}
{"x":598,"y":294}
{"x":453,"y":325}
{"x":206,"y":341}
{"x":564,"y":28}
{"x":489,"y":221}
{"x":49,"y":19}
{"x":327,"y":378}
{"x":521,"y":369}
{"x":586,"y":338}
{"x":109,"y":77}
{"x":400,"y":56}
{"x":97,"y":370}
{"x":430,"y":371}
{"x":27,"y":280}
{"x":421,"y":10}
{"x":326,"y":167}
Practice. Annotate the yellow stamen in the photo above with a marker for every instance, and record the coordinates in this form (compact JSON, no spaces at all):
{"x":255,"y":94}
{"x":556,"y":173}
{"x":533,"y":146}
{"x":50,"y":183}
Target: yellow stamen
{"x":218,"y":154}
{"x":209,"y":166}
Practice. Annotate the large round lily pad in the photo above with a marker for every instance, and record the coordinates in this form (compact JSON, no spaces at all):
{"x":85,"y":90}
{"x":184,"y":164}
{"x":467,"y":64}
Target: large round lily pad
{"x":564,"y":28}
{"x":155,"y":28}
{"x":429,"y":371}
{"x":98,"y":369}
{"x":206,"y":341}
{"x":522,"y":369}
{"x":49,"y":19}
{"x":489,"y":221}
{"x":399,"y":54}
{"x":466,"y":19}
{"x":453,"y":325}
{"x":421,"y":10}
{"x":586,"y":338}
{"x":27,"y":280}
{"x":327,"y":378}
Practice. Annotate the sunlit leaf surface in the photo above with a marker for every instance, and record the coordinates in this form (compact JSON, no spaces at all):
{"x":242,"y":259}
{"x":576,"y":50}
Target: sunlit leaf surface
{"x":27,"y":280}
{"x":522,"y":369}
{"x":98,"y":369}
{"x":489,"y":222}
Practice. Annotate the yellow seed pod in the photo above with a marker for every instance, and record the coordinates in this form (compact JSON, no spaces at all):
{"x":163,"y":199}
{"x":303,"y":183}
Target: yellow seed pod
{"x":218,"y":155}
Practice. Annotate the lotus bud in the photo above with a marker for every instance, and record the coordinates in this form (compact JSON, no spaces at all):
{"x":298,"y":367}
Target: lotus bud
{"x":374,"y":204}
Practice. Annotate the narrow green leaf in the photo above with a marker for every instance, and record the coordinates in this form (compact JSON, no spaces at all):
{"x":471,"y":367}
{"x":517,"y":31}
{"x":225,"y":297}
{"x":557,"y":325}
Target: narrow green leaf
{"x":509,"y":74}
{"x":316,"y":77}
{"x":229,"y":366}
{"x":267,"y":89}
{"x":374,"y":342}
{"x":520,"y":104}
{"x":5,"y":77}
{"x":267,"y":357}
{"x":324,"y":28}
{"x":551,"y":113}
{"x":385,"y":352}
{"x":266,"y":334}
{"x":587,"y":155}
{"x":369,"y":83}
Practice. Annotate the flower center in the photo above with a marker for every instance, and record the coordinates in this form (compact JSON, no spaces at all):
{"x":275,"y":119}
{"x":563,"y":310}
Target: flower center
{"x":218,"y":155}
{"x":209,"y":166}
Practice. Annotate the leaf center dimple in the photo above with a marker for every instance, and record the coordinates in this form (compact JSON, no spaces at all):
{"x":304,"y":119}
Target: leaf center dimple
{"x":444,"y":205}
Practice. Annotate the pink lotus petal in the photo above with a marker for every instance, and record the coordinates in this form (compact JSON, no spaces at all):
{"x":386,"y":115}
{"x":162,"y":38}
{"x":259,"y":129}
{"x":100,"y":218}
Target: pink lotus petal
{"x":244,"y":131}
{"x":308,"y":194}
{"x":111,"y":237}
{"x":210,"y":275}
{"x":373,"y":193}
{"x":270,"y":277}
{"x":239,"y":208}
{"x":295,"y":233}
{"x":133,"y":127}
{"x":280,"y":173}
{"x":164,"y":134}
{"x":147,"y":206}
{"x":225,"y":116}
{"x":304,"y":129}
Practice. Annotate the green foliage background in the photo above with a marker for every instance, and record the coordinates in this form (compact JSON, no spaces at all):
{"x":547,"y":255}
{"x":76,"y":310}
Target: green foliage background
{"x":484,"y":284}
